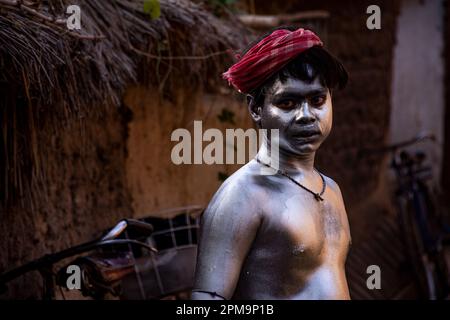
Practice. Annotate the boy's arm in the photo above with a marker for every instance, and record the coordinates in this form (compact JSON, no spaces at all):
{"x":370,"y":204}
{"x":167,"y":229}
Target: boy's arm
{"x":228,"y":229}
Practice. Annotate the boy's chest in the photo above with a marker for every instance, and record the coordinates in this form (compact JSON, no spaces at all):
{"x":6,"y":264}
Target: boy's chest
{"x":303,"y":227}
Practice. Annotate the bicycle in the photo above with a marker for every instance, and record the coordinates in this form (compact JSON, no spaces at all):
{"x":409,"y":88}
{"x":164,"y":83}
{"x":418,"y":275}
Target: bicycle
{"x":136,"y":259}
{"x":425,"y":234}
{"x":45,"y":264}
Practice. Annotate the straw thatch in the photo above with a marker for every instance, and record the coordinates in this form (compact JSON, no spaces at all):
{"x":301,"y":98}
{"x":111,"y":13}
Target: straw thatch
{"x":57,"y":74}
{"x":97,"y":62}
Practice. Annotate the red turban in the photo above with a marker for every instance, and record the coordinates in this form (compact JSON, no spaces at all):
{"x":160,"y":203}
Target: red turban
{"x":268,"y":56}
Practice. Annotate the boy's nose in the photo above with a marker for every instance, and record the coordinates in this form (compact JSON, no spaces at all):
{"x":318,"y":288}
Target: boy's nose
{"x":304,"y":115}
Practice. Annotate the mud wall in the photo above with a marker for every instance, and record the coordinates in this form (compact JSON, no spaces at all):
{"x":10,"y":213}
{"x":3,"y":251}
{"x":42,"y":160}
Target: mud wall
{"x":154,"y":181}
{"x":81,"y":191}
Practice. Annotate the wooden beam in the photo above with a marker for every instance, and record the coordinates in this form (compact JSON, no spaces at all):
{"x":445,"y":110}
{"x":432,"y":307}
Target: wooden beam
{"x":262,"y":21}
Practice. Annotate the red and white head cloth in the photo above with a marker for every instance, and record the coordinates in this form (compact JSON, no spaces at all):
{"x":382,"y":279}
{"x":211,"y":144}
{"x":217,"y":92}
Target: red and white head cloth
{"x":269,"y":56}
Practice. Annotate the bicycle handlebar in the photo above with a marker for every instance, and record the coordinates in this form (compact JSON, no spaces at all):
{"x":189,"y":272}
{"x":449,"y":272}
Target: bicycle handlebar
{"x":123,"y":224}
{"x":396,"y":146}
{"x":107,"y":240}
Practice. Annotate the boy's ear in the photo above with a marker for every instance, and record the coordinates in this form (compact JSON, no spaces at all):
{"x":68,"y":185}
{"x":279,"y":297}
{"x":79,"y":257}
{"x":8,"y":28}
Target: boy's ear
{"x":254,"y":109}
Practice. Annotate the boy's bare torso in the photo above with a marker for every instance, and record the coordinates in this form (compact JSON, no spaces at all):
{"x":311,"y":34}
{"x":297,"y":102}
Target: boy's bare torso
{"x":296,"y":246}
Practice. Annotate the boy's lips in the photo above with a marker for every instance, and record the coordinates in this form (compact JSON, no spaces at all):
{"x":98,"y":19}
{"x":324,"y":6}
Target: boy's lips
{"x":306,"y":134}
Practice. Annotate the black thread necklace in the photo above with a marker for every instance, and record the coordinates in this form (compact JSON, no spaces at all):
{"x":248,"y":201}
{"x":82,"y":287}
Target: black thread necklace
{"x":317,"y":196}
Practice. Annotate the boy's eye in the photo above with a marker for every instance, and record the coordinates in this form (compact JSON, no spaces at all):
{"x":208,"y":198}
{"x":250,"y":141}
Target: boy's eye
{"x":318,"y":100}
{"x":287,"y":104}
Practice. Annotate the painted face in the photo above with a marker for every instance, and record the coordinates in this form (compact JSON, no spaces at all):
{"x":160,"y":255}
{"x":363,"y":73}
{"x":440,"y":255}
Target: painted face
{"x":301,"y":111}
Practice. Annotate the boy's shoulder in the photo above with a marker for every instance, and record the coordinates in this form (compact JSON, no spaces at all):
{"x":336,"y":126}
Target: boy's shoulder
{"x":242,"y":190}
{"x":334,"y":187}
{"x":245,"y":182}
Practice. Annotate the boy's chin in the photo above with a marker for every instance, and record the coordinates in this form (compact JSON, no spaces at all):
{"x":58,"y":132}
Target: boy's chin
{"x":305,"y":149}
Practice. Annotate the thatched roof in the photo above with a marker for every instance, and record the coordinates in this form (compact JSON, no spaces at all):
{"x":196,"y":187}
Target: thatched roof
{"x":75,"y":68}
{"x":61,"y":73}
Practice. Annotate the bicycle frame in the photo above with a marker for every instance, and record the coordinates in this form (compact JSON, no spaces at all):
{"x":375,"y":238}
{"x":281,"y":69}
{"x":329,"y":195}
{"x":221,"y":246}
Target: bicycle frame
{"x":413,"y":216}
{"x":416,"y":215}
{"x":46,"y":263}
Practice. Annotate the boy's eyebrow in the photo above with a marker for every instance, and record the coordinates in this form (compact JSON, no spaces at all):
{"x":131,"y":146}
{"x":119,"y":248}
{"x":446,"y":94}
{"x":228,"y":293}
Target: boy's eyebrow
{"x":298,"y":94}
